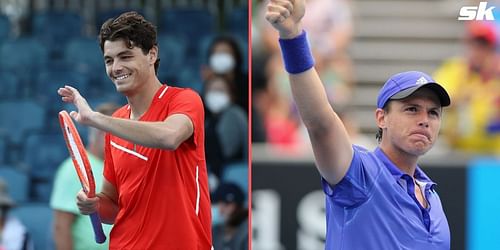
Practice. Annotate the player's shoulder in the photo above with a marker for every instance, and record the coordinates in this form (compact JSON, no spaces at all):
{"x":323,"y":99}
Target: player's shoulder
{"x":122,"y":112}
{"x":183,"y":91}
{"x":178,"y":94}
{"x":365,"y":156}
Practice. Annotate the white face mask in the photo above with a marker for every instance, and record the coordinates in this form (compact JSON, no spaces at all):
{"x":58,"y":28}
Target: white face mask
{"x":216,"y":101}
{"x":221,"y":63}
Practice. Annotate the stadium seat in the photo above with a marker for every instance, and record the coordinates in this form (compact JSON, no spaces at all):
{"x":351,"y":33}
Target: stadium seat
{"x":23,"y":57}
{"x":203,"y":47}
{"x":56,"y":28}
{"x":17,"y":182}
{"x":192,"y":24}
{"x":237,"y":173}
{"x":244,"y":49}
{"x":43,"y":153}
{"x":172,"y":54}
{"x":4,"y":28}
{"x":37,"y":217}
{"x":237,"y":22}
{"x":19,"y":117}
{"x":189,"y":77}
{"x":10,"y":85}
{"x":48,"y":81}
{"x":3,"y":150}
{"x":41,"y":190}
{"x":84,"y":54}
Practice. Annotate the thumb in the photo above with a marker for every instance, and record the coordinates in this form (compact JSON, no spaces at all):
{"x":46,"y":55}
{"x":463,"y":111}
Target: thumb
{"x":73,"y":114}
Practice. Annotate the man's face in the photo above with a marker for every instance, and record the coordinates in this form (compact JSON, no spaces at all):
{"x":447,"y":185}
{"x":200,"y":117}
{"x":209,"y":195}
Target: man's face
{"x":226,"y":210}
{"x":127,"y":68}
{"x":479,"y":53}
{"x":412,"y":124}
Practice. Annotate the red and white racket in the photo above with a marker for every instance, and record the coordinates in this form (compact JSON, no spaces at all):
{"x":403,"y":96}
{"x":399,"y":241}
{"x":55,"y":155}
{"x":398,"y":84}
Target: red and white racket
{"x":82,"y":167}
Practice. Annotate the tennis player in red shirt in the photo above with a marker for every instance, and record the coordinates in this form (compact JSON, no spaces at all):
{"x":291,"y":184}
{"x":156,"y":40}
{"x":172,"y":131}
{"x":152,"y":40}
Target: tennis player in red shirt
{"x":155,"y":188}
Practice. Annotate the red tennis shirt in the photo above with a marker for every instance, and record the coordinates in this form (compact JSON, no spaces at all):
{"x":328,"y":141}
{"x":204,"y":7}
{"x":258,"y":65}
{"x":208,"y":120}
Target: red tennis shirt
{"x":163,"y":195}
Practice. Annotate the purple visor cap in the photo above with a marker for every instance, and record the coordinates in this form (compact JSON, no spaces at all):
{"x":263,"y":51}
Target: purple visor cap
{"x":403,"y":84}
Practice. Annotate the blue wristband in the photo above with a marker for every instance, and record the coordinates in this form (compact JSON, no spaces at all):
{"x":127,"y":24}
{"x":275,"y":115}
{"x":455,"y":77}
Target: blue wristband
{"x":296,"y":54}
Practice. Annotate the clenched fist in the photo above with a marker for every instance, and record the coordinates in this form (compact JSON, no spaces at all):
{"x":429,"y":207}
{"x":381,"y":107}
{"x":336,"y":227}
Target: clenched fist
{"x":85,"y":204}
{"x":285,"y":16}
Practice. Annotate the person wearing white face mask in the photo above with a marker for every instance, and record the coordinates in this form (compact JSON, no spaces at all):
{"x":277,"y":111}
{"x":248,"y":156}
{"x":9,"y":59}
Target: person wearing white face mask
{"x":222,"y":62}
{"x":216,"y":101}
{"x":225,"y":58}
{"x":225,"y":125}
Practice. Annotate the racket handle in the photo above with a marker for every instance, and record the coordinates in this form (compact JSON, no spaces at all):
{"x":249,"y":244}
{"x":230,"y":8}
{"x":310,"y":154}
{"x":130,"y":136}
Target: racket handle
{"x":96,"y":224}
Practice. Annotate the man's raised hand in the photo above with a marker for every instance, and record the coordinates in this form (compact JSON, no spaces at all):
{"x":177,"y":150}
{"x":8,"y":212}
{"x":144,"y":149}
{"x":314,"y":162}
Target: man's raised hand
{"x":285,"y":16}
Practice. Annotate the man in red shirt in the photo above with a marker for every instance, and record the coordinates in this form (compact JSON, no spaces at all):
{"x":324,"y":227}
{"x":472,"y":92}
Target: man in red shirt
{"x":155,"y":188}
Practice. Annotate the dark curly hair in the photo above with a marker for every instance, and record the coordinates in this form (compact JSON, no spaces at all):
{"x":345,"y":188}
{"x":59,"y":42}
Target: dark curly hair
{"x":133,"y":29}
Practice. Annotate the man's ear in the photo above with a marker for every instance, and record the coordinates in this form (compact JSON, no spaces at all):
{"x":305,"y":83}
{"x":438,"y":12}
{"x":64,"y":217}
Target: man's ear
{"x":153,"y":55}
{"x":380,"y":116}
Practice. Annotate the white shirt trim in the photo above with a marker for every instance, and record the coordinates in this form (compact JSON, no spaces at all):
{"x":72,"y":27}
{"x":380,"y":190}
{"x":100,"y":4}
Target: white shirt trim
{"x":122,"y":148}
{"x":197,"y":192}
{"x":163,"y":92}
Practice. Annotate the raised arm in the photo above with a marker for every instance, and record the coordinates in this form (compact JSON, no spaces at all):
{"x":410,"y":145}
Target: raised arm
{"x":331,"y":145}
{"x":168,"y":134}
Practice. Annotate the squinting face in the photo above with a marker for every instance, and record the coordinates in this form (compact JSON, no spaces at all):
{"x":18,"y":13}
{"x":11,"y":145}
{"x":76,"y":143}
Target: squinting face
{"x":127,"y":68}
{"x":412,"y":124}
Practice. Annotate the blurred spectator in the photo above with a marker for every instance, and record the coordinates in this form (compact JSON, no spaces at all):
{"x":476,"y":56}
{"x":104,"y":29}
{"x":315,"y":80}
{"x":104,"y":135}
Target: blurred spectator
{"x":474,"y":85}
{"x":73,"y":230}
{"x":258,"y":88}
{"x":225,"y":58}
{"x":232,"y":233}
{"x":352,"y":128}
{"x":16,"y":10}
{"x":226,"y":125}
{"x":330,"y":23}
{"x":13,"y":234}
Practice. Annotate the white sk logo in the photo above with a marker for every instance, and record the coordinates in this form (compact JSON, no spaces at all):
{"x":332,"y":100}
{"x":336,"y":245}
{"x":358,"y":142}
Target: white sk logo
{"x":477,"y":12}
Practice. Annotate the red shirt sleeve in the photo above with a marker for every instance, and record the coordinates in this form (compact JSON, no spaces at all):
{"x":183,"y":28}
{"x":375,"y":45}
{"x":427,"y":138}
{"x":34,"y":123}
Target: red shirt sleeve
{"x":189,"y":103}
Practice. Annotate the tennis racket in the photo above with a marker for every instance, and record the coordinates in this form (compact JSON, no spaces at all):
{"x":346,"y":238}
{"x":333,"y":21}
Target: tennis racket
{"x":82,"y":167}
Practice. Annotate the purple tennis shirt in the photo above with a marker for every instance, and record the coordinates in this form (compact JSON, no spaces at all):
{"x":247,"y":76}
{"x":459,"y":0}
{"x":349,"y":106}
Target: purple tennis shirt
{"x":374,"y":207}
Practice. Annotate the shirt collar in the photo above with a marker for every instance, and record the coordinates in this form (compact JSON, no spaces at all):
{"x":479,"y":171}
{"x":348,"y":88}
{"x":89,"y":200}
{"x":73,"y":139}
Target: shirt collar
{"x":397,"y":173}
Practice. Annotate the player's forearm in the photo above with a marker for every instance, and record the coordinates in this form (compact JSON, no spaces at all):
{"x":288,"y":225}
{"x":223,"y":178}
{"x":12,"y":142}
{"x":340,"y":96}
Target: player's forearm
{"x":149,"y":134}
{"x":108,"y":209}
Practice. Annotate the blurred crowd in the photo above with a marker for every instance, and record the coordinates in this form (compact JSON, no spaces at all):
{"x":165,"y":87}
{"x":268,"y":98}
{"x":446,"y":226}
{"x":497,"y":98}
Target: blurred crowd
{"x":329,"y":24}
{"x":473,"y":81}
{"x":470,"y":125}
